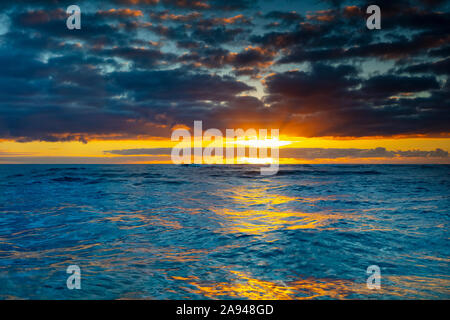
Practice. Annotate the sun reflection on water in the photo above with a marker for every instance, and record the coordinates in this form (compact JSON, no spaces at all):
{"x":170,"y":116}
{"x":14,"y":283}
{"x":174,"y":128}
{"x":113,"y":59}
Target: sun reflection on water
{"x":260,"y":222}
{"x":259,"y":210}
{"x":243,"y":286}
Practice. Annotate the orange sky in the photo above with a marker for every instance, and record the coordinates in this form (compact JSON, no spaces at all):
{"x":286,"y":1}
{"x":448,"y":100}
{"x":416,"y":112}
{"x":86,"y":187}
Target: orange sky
{"x":10,"y":151}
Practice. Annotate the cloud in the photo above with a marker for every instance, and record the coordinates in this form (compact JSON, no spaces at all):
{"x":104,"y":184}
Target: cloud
{"x":440,"y":67}
{"x":140,"y":57}
{"x":388,"y":85}
{"x":286,"y":18}
{"x":312,"y":153}
{"x":229,"y":5}
{"x":136,"y":68}
{"x":334,"y":153}
{"x":120,"y":13}
{"x":147,"y":151}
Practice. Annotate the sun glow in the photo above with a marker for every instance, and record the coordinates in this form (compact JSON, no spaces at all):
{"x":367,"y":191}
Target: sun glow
{"x":95,"y":151}
{"x":263,"y":143}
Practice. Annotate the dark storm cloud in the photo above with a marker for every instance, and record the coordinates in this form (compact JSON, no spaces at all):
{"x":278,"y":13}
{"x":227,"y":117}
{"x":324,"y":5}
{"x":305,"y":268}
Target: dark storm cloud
{"x":82,"y":101}
{"x":209,"y":57}
{"x":304,"y":35}
{"x":380,"y":105}
{"x":119,"y":13}
{"x":140,"y":57}
{"x":251,"y":58}
{"x":389,"y":85}
{"x":438,"y":67}
{"x":216,"y":36}
{"x":229,"y":5}
{"x":137,"y":68}
{"x":324,"y":87}
{"x":167,"y":15}
{"x":178,"y":85}
{"x":50,"y":24}
{"x":418,"y":44}
{"x":285,"y":18}
{"x":441,"y":52}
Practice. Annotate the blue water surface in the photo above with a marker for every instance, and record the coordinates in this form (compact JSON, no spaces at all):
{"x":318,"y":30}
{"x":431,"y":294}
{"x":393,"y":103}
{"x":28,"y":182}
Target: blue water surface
{"x":222,"y":232}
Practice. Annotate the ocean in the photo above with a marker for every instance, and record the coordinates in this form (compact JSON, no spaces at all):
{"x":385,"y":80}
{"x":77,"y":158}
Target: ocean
{"x":224,"y":232}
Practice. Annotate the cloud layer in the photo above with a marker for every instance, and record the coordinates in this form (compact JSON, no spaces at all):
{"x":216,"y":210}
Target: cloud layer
{"x":309,"y":153}
{"x":138,"y":68}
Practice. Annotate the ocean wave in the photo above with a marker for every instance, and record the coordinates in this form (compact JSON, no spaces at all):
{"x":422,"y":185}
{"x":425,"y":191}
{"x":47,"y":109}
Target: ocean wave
{"x":309,"y":231}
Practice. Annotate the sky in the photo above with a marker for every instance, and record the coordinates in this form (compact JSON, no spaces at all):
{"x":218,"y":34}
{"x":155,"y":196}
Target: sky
{"x":114,"y":91}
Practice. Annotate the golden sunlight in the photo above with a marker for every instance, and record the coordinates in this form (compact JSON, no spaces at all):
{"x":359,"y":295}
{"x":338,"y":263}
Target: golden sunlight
{"x":264,"y":143}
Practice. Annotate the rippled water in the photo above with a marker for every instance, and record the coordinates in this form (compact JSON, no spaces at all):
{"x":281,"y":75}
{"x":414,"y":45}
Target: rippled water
{"x":172,"y":232}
